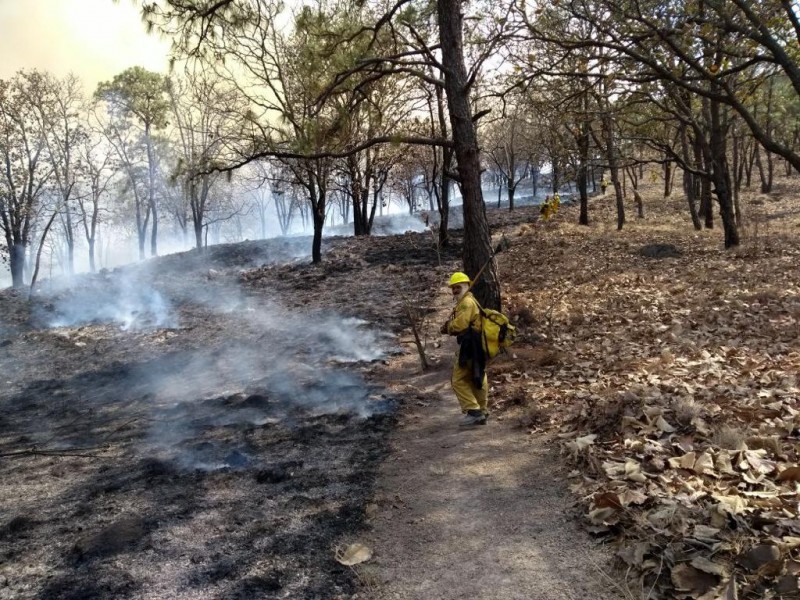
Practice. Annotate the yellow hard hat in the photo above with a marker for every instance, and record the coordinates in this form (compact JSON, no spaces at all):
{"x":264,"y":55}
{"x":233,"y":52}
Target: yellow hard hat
{"x":458,"y":277}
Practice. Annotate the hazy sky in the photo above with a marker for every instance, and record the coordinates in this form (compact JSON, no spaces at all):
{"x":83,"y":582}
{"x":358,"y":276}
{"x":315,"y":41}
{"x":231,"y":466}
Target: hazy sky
{"x":95,"y":39}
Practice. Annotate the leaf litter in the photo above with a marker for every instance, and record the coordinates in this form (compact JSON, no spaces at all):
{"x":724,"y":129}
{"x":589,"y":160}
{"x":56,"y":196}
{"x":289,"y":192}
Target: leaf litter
{"x":672,"y":387}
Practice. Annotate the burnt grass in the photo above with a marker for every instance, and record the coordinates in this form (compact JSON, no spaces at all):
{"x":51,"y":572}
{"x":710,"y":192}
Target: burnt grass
{"x":220,"y":455}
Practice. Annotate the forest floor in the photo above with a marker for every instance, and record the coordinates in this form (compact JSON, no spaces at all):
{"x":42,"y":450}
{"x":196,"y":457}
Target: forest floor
{"x":227,"y":425}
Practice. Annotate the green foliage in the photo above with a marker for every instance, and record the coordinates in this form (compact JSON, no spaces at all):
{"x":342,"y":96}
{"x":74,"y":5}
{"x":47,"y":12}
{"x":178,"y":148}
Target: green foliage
{"x":137,"y":93}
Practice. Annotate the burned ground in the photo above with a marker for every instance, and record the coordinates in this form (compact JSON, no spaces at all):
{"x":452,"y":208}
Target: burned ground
{"x":232,"y":421}
{"x":201,"y":425}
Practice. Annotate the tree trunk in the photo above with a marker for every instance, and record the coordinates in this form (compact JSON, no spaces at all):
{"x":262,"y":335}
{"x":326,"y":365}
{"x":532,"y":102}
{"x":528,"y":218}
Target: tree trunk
{"x":198,"y":234}
{"x":445,"y":183}
{"x":583,"y":142}
{"x":151,"y":190}
{"x":69,"y":238}
{"x":142,"y":240}
{"x":688,"y":181}
{"x":17,"y":265}
{"x":556,"y":175}
{"x":316,"y":245}
{"x":667,"y":179}
{"x":512,"y":188}
{"x":477,"y":241}
{"x":766,"y":189}
{"x":748,"y":172}
{"x":719,"y":163}
{"x":583,"y":219}
{"x":92,"y":265}
{"x":704,"y":163}
{"x":375,"y":200}
{"x":613,"y":167}
{"x":761,"y":175}
{"x":706,"y":203}
{"x":262,"y":213}
{"x":736,"y":180}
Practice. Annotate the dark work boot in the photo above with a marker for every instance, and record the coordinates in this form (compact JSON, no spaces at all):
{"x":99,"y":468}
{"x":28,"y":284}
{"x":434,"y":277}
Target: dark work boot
{"x":473,"y":417}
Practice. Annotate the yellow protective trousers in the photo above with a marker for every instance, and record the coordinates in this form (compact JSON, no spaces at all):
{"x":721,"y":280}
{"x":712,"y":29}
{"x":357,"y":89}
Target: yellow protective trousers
{"x":469,"y":397}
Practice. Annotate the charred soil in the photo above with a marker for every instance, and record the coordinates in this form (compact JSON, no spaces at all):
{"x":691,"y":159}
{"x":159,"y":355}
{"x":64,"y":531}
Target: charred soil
{"x":201,"y":425}
{"x":247,"y":414}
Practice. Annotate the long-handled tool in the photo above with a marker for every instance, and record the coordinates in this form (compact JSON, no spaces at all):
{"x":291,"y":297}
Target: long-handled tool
{"x":503,"y":245}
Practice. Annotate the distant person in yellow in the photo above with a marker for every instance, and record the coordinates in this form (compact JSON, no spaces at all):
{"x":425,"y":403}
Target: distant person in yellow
{"x":603,"y":184}
{"x":469,"y":369}
{"x":550,"y":206}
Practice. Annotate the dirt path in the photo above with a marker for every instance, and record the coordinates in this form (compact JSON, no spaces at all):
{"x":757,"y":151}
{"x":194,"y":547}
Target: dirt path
{"x":477,"y":513}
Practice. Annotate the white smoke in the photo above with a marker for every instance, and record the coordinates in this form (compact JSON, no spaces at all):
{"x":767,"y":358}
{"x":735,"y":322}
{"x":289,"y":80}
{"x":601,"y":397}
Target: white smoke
{"x":238,"y":359}
{"x":126,"y":301}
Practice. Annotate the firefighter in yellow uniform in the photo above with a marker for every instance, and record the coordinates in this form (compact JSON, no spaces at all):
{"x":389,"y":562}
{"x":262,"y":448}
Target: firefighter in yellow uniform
{"x":469,"y":369}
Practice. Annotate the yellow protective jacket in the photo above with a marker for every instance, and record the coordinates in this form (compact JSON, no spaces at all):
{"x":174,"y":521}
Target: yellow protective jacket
{"x":467,"y":315}
{"x":467,"y":324}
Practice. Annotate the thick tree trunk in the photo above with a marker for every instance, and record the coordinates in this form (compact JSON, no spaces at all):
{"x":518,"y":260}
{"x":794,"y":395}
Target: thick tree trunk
{"x":477,"y":241}
{"x":511,"y":190}
{"x":17,"y":264}
{"x":316,"y":244}
{"x":556,"y":176}
{"x":719,"y":163}
{"x":198,"y":234}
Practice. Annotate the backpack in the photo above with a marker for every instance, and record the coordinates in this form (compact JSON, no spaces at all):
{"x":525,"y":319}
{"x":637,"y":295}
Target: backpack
{"x":498,"y":332}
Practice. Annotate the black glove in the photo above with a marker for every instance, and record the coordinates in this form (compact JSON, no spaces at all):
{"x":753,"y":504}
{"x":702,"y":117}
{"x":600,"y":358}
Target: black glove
{"x":443,"y":328}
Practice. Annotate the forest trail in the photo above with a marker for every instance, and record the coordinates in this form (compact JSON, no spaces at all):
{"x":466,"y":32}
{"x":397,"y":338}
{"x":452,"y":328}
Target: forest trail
{"x":478,"y":513}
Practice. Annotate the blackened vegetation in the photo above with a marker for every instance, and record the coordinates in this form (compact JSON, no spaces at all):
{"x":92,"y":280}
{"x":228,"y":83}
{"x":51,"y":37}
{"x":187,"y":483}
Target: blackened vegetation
{"x":199,"y":460}
{"x":246,"y":500}
{"x":223,"y":456}
{"x":372,"y":278}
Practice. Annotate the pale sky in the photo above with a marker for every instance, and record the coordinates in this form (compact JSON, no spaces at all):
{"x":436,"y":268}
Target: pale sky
{"x":94,"y":39}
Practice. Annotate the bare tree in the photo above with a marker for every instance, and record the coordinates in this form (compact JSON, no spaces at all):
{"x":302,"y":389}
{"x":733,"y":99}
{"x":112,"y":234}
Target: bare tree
{"x":26,"y":169}
{"x":98,"y":173}
{"x":59,"y":108}
{"x":206,"y":113}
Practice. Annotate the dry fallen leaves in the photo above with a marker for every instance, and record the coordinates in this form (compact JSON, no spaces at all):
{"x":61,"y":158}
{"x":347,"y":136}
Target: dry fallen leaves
{"x":675,"y":394}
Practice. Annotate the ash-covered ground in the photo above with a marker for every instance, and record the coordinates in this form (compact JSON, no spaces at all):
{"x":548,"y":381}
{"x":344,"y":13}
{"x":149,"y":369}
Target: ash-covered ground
{"x":202,"y":425}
